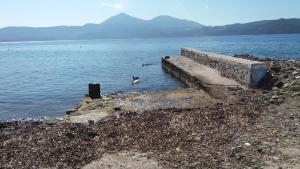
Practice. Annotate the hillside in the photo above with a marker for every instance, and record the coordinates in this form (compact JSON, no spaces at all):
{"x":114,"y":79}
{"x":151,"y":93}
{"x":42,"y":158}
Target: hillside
{"x":125,"y":26}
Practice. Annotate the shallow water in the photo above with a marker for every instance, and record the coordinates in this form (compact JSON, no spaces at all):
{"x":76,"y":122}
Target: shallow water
{"x":47,"y":78}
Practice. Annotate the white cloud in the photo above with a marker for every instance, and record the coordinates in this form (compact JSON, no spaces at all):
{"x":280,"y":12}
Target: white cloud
{"x":117,"y":6}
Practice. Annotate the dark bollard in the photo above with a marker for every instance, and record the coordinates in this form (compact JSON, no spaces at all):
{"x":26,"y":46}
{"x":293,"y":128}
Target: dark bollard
{"x":94,"y":91}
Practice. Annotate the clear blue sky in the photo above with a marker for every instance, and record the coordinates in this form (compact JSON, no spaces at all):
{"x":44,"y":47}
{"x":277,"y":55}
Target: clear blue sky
{"x":78,"y":12}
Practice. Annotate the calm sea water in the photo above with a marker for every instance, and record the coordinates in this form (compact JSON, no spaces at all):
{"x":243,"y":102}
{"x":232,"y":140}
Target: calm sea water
{"x":47,"y":78}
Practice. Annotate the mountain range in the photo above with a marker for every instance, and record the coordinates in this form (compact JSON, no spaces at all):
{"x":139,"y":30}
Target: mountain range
{"x":125,"y":26}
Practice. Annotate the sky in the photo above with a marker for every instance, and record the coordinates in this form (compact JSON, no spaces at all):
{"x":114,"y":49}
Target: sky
{"x":42,"y":13}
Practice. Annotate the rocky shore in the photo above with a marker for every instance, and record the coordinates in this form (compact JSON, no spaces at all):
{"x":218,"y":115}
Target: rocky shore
{"x":253,"y":128}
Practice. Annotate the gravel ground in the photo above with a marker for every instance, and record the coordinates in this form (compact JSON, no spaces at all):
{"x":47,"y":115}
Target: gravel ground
{"x":232,"y":136}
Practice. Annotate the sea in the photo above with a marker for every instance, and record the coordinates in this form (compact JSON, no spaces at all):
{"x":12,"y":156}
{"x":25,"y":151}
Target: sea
{"x":45,"y":79}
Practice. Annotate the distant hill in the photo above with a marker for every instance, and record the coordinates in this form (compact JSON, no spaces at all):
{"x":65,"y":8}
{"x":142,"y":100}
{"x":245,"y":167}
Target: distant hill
{"x":280,"y":26}
{"x":125,"y":26}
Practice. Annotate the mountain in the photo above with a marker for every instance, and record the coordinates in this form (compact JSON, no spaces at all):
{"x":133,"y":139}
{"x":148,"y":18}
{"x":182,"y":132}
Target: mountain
{"x":125,"y":26}
{"x":280,"y":26}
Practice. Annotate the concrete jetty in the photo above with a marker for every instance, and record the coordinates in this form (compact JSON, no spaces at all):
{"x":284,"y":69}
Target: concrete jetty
{"x":245,"y":71}
{"x":214,"y":72}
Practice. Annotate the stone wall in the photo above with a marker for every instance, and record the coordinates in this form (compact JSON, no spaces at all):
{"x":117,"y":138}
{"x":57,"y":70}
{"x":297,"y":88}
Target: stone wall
{"x":244,"y":71}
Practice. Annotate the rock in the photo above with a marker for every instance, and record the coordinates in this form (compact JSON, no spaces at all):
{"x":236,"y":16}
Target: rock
{"x":279,"y":84}
{"x":256,"y":142}
{"x":286,"y":85}
{"x":247,"y":144}
{"x":296,"y":94}
{"x":275,"y":159}
{"x":280,"y":101}
{"x":92,"y":134}
{"x":51,"y":122}
{"x":240,"y":157}
{"x":295,"y":88}
{"x":294,"y":73}
{"x":68,"y":112}
{"x":296,"y":82}
{"x":265,"y":150}
{"x":70,"y":135}
{"x":272,"y":101}
{"x":291,"y":68}
{"x":292,"y":60}
{"x":268,"y":59}
{"x":117,"y":108}
{"x":275,"y":68}
{"x":248,"y":160}
{"x":297,"y":63}
{"x":3,"y":125}
{"x":254,"y":161}
{"x":260,"y":150}
{"x":91,"y":122}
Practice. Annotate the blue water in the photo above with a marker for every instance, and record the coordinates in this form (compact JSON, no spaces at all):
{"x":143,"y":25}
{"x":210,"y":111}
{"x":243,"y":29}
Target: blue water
{"x":47,"y":78}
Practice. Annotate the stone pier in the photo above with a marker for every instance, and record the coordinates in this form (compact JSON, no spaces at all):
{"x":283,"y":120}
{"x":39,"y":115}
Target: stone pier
{"x":244,"y":71}
{"x":214,"y":72}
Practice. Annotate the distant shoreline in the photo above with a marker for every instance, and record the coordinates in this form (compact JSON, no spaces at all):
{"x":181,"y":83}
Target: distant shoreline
{"x":74,"y":40}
